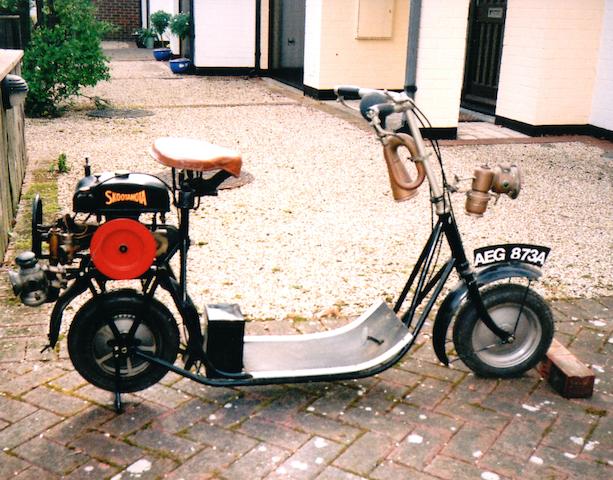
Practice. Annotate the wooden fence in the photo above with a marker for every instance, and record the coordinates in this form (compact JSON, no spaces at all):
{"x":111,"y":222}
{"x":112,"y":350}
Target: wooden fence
{"x":12,"y":151}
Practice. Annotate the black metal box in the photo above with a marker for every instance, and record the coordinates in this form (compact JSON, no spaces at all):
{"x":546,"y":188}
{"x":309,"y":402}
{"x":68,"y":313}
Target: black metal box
{"x":224,"y":337}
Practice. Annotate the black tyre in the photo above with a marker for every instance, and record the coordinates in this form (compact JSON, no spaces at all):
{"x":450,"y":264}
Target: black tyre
{"x":515,"y":309}
{"x":90,"y":340}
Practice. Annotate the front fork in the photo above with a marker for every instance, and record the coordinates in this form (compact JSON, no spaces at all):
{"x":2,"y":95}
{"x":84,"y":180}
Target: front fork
{"x":467,"y":274}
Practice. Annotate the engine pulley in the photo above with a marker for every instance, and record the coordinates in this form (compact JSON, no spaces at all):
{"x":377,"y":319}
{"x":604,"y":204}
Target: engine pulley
{"x":123,"y":249}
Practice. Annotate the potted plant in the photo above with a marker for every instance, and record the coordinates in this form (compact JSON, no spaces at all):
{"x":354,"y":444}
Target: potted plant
{"x":159,"y":22}
{"x":145,"y":37}
{"x":180,"y":26}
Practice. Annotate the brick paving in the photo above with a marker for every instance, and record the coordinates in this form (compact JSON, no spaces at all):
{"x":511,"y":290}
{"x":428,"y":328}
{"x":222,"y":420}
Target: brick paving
{"x":416,"y":421}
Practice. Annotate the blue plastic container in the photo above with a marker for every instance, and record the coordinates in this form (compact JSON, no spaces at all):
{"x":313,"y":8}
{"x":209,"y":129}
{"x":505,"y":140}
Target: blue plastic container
{"x":180,"y":65}
{"x":162,"y":54}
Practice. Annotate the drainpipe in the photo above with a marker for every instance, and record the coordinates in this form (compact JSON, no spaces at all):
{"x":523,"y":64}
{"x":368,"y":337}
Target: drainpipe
{"x":258,"y":34}
{"x":413,"y":42}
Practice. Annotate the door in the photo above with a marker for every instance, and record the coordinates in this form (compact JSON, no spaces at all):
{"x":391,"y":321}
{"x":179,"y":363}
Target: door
{"x":483,"y":54}
{"x":287,"y":41}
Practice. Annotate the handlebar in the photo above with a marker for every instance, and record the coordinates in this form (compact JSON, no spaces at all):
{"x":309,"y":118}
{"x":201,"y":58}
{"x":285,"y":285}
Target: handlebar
{"x":375,"y":105}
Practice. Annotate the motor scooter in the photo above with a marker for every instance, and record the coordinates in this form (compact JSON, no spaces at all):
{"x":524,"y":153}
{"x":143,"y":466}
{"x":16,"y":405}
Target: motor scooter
{"x":126,"y":339}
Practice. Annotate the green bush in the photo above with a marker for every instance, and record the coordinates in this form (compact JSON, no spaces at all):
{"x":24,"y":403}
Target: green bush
{"x":179,"y":25}
{"x":160,"y":21}
{"x":64,"y":56}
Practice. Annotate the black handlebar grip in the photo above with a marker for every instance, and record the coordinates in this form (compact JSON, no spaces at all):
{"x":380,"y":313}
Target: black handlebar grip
{"x":385,"y":109}
{"x":347,"y":91}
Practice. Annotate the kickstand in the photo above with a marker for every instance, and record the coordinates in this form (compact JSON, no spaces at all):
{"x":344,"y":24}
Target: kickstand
{"x":118,"y":403}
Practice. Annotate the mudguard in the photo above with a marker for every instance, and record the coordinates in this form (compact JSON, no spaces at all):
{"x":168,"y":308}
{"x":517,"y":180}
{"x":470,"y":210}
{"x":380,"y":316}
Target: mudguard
{"x":457,"y":295}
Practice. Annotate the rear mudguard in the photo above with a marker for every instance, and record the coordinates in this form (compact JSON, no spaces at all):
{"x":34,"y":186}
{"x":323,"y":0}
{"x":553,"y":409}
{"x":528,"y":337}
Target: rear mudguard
{"x":454,"y":299}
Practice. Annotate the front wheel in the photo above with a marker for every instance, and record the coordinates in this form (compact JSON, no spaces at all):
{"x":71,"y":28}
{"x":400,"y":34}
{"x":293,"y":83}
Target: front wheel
{"x":516,"y":309}
{"x":91,"y":340}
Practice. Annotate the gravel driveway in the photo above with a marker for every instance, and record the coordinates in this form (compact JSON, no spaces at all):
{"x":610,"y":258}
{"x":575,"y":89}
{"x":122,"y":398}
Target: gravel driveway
{"x":317,"y":228}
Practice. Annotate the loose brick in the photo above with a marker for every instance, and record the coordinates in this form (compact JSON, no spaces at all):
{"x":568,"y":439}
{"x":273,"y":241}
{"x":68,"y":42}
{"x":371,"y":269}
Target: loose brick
{"x":566,"y":373}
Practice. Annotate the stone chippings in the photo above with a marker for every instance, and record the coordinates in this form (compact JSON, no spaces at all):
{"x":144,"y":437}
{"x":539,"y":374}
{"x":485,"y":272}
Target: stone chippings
{"x":318,"y":182}
{"x":318,"y":227}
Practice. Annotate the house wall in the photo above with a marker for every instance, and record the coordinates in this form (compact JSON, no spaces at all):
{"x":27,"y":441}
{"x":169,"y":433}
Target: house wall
{"x":440,"y":60}
{"x":334,"y":55}
{"x":224,"y":33}
{"x":602,"y":102}
{"x":124,"y":14}
{"x":549,"y":60}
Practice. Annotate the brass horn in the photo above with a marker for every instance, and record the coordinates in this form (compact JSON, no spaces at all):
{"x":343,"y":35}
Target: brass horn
{"x":403,"y":187}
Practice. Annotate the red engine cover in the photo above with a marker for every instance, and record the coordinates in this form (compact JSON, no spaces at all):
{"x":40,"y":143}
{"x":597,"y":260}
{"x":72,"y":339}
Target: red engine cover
{"x":122,"y":249}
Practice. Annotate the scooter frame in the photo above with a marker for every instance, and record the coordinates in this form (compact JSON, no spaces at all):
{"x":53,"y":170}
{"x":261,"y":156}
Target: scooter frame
{"x":425,"y":279}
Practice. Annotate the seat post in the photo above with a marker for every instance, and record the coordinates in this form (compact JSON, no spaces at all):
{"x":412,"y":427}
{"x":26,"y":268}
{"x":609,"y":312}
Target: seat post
{"x":186,"y":202}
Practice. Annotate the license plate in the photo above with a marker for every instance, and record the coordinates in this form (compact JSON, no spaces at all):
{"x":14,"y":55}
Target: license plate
{"x":513,"y":252}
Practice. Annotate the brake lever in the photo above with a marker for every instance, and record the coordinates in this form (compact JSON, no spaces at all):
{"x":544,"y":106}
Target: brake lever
{"x":342,"y":101}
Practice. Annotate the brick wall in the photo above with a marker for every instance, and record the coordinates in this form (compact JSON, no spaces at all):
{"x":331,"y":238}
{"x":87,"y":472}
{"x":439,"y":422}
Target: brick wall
{"x":125,"y":14}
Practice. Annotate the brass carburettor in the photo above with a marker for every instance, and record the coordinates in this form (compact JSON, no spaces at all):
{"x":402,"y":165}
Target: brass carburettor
{"x":500,"y":179}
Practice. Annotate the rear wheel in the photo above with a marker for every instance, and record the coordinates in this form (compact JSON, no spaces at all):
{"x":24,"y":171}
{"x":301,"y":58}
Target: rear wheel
{"x":516,"y":309}
{"x":91,"y":340}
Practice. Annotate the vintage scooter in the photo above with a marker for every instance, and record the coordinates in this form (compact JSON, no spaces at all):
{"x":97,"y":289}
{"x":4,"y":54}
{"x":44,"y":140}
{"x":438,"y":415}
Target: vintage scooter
{"x":125,"y":340}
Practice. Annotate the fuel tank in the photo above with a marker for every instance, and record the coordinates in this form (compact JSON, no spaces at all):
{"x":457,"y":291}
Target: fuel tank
{"x":121,"y":194}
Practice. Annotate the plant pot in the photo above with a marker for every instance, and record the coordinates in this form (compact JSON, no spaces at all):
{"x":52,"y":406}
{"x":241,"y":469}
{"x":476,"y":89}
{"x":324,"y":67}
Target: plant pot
{"x":162,"y":54}
{"x":180,"y":65}
{"x":148,"y":43}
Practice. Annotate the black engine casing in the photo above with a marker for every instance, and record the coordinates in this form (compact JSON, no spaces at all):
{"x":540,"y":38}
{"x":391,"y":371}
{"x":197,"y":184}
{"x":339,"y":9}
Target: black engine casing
{"x":121,"y":194}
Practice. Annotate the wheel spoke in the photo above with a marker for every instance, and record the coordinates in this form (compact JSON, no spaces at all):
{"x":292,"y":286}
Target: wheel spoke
{"x":104,"y":358}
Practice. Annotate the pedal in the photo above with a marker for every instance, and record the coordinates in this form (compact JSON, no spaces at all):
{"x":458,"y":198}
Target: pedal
{"x":225,"y":336}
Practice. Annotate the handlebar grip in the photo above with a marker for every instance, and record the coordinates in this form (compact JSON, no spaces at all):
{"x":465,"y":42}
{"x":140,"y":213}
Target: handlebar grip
{"x":347,"y":91}
{"x":384,"y":109}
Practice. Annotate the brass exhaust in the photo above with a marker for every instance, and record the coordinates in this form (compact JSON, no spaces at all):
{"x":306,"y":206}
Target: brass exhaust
{"x":403,"y":187}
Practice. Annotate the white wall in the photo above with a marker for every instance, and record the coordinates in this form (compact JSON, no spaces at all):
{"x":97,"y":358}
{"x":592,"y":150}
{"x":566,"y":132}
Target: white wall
{"x":440,"y":60}
{"x":334,"y":54}
{"x":224,"y":33}
{"x":549,"y":60}
{"x":312,"y":43}
{"x":602,"y":103}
